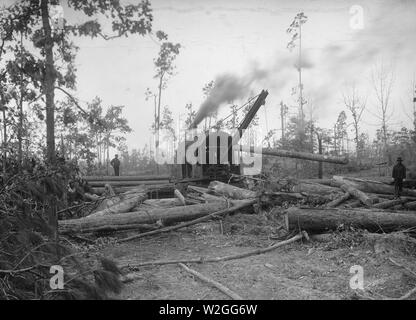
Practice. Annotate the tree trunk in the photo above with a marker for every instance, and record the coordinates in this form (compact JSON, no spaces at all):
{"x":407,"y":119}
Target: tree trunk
{"x":388,"y":204}
{"x":168,"y":216}
{"x":368,"y":186}
{"x":357,"y":194}
{"x":314,"y":188}
{"x":410,"y":205}
{"x":299,"y":155}
{"x":231,"y":191}
{"x":125,"y":183}
{"x":48,"y":90}
{"x":49,"y":83}
{"x":125,"y":178}
{"x":124,"y":205}
{"x":319,"y":220}
{"x":320,"y":164}
{"x":338,"y":200}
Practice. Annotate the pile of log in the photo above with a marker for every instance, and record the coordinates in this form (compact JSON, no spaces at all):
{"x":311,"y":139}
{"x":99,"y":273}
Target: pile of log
{"x":133,"y":210}
{"x":122,"y":184}
{"x":342,"y":201}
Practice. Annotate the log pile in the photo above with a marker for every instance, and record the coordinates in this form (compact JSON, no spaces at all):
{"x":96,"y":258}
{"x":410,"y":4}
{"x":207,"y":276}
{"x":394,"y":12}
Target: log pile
{"x":311,"y":205}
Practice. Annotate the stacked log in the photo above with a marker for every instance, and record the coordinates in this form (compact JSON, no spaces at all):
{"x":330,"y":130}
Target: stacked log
{"x":124,"y":220}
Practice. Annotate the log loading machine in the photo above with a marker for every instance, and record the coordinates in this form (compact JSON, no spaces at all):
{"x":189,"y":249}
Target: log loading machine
{"x":215,"y":167}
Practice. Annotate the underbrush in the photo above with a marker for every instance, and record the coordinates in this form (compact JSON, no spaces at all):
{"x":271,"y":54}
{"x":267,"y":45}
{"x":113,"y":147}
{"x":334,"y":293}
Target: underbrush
{"x":30,"y":252}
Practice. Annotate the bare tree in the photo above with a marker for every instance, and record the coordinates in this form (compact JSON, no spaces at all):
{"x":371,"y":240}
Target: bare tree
{"x":382,"y":79}
{"x":356,"y":106}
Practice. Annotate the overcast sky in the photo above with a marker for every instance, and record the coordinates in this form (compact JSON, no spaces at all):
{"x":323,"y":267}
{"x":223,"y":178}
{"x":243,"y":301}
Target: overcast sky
{"x":231,"y":36}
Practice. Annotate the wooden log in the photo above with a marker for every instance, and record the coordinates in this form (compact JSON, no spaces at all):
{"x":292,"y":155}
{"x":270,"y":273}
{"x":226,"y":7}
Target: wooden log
{"x":198,"y":189}
{"x":211,"y":198}
{"x":319,"y":220}
{"x":357,"y":194}
{"x":314,"y":188}
{"x":126,"y":183}
{"x":162,"y":188}
{"x":124,"y":205}
{"x":410,"y":205}
{"x":388,"y":204}
{"x":325,"y":182}
{"x":126,"y":178}
{"x":237,"y":206}
{"x":231,"y":191}
{"x":299,"y":155}
{"x":338,"y":200}
{"x":369,"y":186}
{"x":180,"y":197}
{"x":163,"y":203}
{"x":354,"y":204}
{"x":213,"y":283}
{"x":167,"y":215}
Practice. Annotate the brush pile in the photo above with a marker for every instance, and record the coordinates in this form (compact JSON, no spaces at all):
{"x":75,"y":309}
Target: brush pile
{"x":30,"y":252}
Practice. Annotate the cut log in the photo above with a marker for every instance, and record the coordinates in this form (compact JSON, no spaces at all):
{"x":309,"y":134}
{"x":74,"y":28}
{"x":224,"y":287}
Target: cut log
{"x":325,"y":182}
{"x":167,"y":215}
{"x":320,"y":220}
{"x":357,"y":194}
{"x":126,"y":178}
{"x":298,"y":155}
{"x":180,"y":197}
{"x":231,"y":191}
{"x":410,"y":205}
{"x":125,"y":205}
{"x":338,"y":201}
{"x":314,"y":188}
{"x":388,"y":204}
{"x":198,"y":189}
{"x":354,"y":204}
{"x":125,"y":183}
{"x":163,"y":203}
{"x":211,"y":198}
{"x":237,"y":206}
{"x":161,"y":188}
{"x":369,"y":186}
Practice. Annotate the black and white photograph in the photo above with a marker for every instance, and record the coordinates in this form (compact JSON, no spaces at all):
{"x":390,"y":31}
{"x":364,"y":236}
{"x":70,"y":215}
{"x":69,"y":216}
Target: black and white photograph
{"x":190,"y":153}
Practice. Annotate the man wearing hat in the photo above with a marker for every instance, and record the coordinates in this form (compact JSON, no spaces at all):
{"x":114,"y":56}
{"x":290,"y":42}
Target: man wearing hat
{"x":115,"y":163}
{"x":399,"y":173}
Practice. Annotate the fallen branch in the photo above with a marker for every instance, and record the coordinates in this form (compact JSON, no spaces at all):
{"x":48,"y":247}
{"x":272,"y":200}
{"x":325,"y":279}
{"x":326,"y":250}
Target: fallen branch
{"x":299,"y":236}
{"x":214,"y":283}
{"x":189,"y":223}
{"x":338,"y":200}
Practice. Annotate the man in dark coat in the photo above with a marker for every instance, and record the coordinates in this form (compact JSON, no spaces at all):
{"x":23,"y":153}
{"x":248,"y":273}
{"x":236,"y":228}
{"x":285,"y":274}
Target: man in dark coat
{"x":116,"y":165}
{"x":399,"y":174}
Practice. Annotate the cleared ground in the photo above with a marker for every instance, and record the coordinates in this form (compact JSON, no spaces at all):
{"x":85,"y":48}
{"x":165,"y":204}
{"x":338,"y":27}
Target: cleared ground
{"x":302,"y":270}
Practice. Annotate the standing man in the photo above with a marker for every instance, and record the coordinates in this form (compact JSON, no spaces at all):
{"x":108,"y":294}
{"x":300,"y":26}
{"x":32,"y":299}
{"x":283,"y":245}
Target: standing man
{"x":115,"y":163}
{"x":399,"y":173}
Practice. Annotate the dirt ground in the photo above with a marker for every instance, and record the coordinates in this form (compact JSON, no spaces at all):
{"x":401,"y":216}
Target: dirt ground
{"x":316,"y":269}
